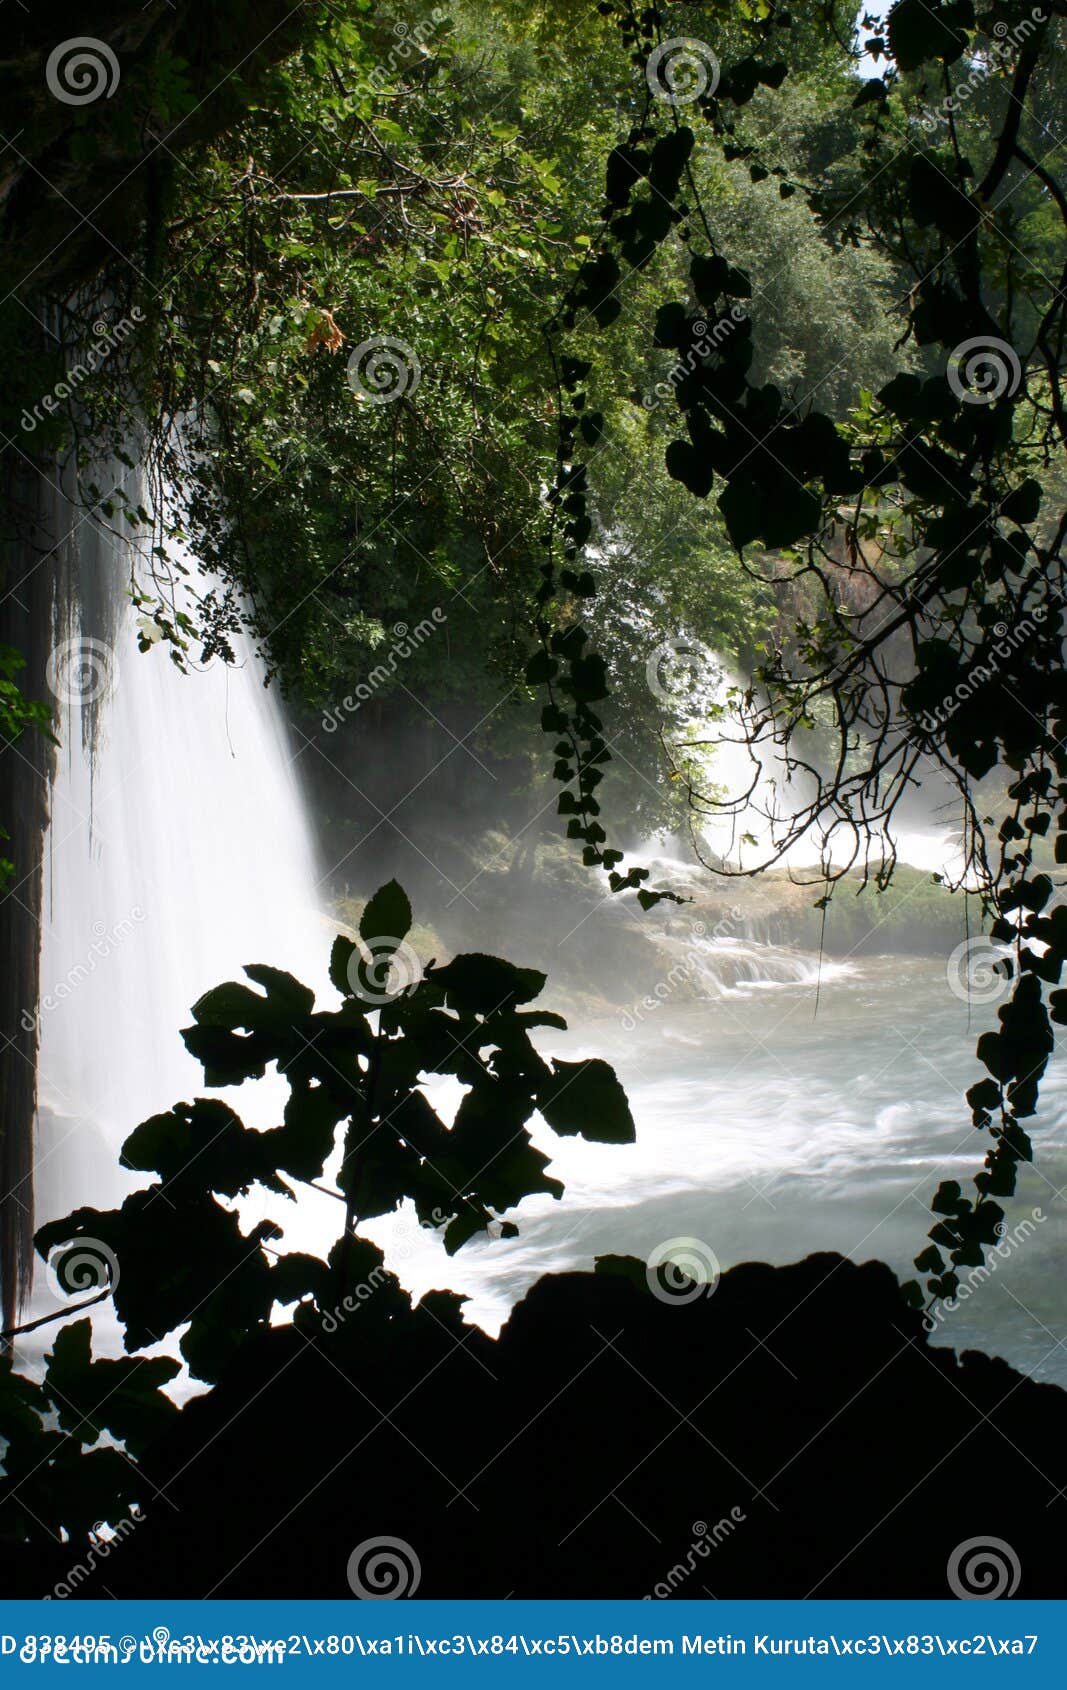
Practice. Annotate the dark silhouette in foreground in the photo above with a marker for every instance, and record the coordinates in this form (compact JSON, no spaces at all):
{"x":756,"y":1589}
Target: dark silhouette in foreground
{"x":793,"y":1434}
{"x":783,"y":1431}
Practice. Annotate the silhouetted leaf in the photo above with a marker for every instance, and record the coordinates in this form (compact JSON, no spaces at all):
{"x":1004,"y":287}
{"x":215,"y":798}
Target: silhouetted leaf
{"x":340,"y":962}
{"x":122,"y":1397}
{"x":586,"y":1098}
{"x":387,"y":915}
{"x":486,"y":983}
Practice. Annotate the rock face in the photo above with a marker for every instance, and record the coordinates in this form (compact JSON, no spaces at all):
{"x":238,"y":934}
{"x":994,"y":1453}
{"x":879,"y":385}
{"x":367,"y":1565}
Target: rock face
{"x":791,"y":1435}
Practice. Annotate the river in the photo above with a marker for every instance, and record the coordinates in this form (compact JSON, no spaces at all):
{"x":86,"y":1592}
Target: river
{"x":767,"y":1130}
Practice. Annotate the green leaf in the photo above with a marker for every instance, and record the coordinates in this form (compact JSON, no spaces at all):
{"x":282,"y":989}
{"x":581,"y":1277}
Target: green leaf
{"x":922,"y":30}
{"x":586,"y":1098}
{"x":483,"y":984}
{"x":387,"y":915}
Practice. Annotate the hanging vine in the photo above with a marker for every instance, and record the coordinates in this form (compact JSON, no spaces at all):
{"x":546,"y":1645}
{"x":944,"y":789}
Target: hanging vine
{"x":918,"y":524}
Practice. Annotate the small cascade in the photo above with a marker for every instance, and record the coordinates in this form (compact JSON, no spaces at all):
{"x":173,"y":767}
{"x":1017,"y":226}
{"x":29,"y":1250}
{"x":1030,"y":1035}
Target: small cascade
{"x":178,"y":850}
{"x":703,"y":965}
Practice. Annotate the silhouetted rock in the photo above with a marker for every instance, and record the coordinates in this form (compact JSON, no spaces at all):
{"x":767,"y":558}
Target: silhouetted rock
{"x":794,"y":1434}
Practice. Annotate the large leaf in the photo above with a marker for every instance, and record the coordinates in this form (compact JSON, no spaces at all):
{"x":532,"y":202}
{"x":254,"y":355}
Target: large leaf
{"x":586,"y":1098}
{"x":483,"y":984}
{"x":285,"y":994}
{"x":387,"y":915}
{"x":922,"y":30}
{"x":201,"y":1147}
{"x":230,"y":1005}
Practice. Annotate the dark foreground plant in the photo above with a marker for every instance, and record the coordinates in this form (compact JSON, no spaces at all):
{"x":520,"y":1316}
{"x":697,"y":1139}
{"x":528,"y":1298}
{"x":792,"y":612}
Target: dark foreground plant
{"x":357,"y":1125}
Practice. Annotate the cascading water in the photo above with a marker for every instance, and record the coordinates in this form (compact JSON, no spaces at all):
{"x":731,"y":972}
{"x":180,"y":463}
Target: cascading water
{"x":724,"y":965}
{"x":753,"y":791}
{"x":178,"y":850}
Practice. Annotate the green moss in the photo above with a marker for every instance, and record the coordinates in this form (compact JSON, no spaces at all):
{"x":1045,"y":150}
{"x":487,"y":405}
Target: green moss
{"x":915,"y":916}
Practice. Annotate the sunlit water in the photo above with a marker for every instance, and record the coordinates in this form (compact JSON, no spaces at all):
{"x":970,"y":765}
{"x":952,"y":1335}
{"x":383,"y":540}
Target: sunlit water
{"x":764,"y":1131}
{"x":178,"y":851}
{"x":767,"y":1132}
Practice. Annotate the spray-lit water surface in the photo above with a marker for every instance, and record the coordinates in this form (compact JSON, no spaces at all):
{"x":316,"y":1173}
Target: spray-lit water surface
{"x":769,"y":1132}
{"x":180,"y":851}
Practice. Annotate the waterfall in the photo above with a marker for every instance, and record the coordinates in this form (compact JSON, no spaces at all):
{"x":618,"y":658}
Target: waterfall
{"x":711,"y":966}
{"x":25,"y":613}
{"x":177,"y":851}
{"x":752,"y":789}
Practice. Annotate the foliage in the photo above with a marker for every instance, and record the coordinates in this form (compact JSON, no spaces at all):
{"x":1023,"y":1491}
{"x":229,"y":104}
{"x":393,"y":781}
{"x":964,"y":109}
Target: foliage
{"x":918,"y":526}
{"x":360,"y":1068}
{"x":17,"y":713}
{"x":883,"y":565}
{"x":429,"y":180}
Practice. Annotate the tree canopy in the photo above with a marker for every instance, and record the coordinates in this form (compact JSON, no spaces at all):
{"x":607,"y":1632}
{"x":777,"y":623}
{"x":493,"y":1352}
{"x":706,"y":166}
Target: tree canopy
{"x":719,"y":336}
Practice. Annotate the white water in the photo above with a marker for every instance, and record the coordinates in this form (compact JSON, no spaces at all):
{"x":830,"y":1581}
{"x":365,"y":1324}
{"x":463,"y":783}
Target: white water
{"x":766,"y":1133}
{"x":750,"y":794}
{"x":178,"y":851}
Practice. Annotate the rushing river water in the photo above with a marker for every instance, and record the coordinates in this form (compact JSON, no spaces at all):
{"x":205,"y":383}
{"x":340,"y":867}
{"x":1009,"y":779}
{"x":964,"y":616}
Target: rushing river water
{"x":765,"y":1132}
{"x":179,"y":850}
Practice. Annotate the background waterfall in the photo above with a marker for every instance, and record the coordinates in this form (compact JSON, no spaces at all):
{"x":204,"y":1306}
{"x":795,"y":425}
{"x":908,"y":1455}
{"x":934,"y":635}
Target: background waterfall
{"x":178,"y":850}
{"x":749,"y":793}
